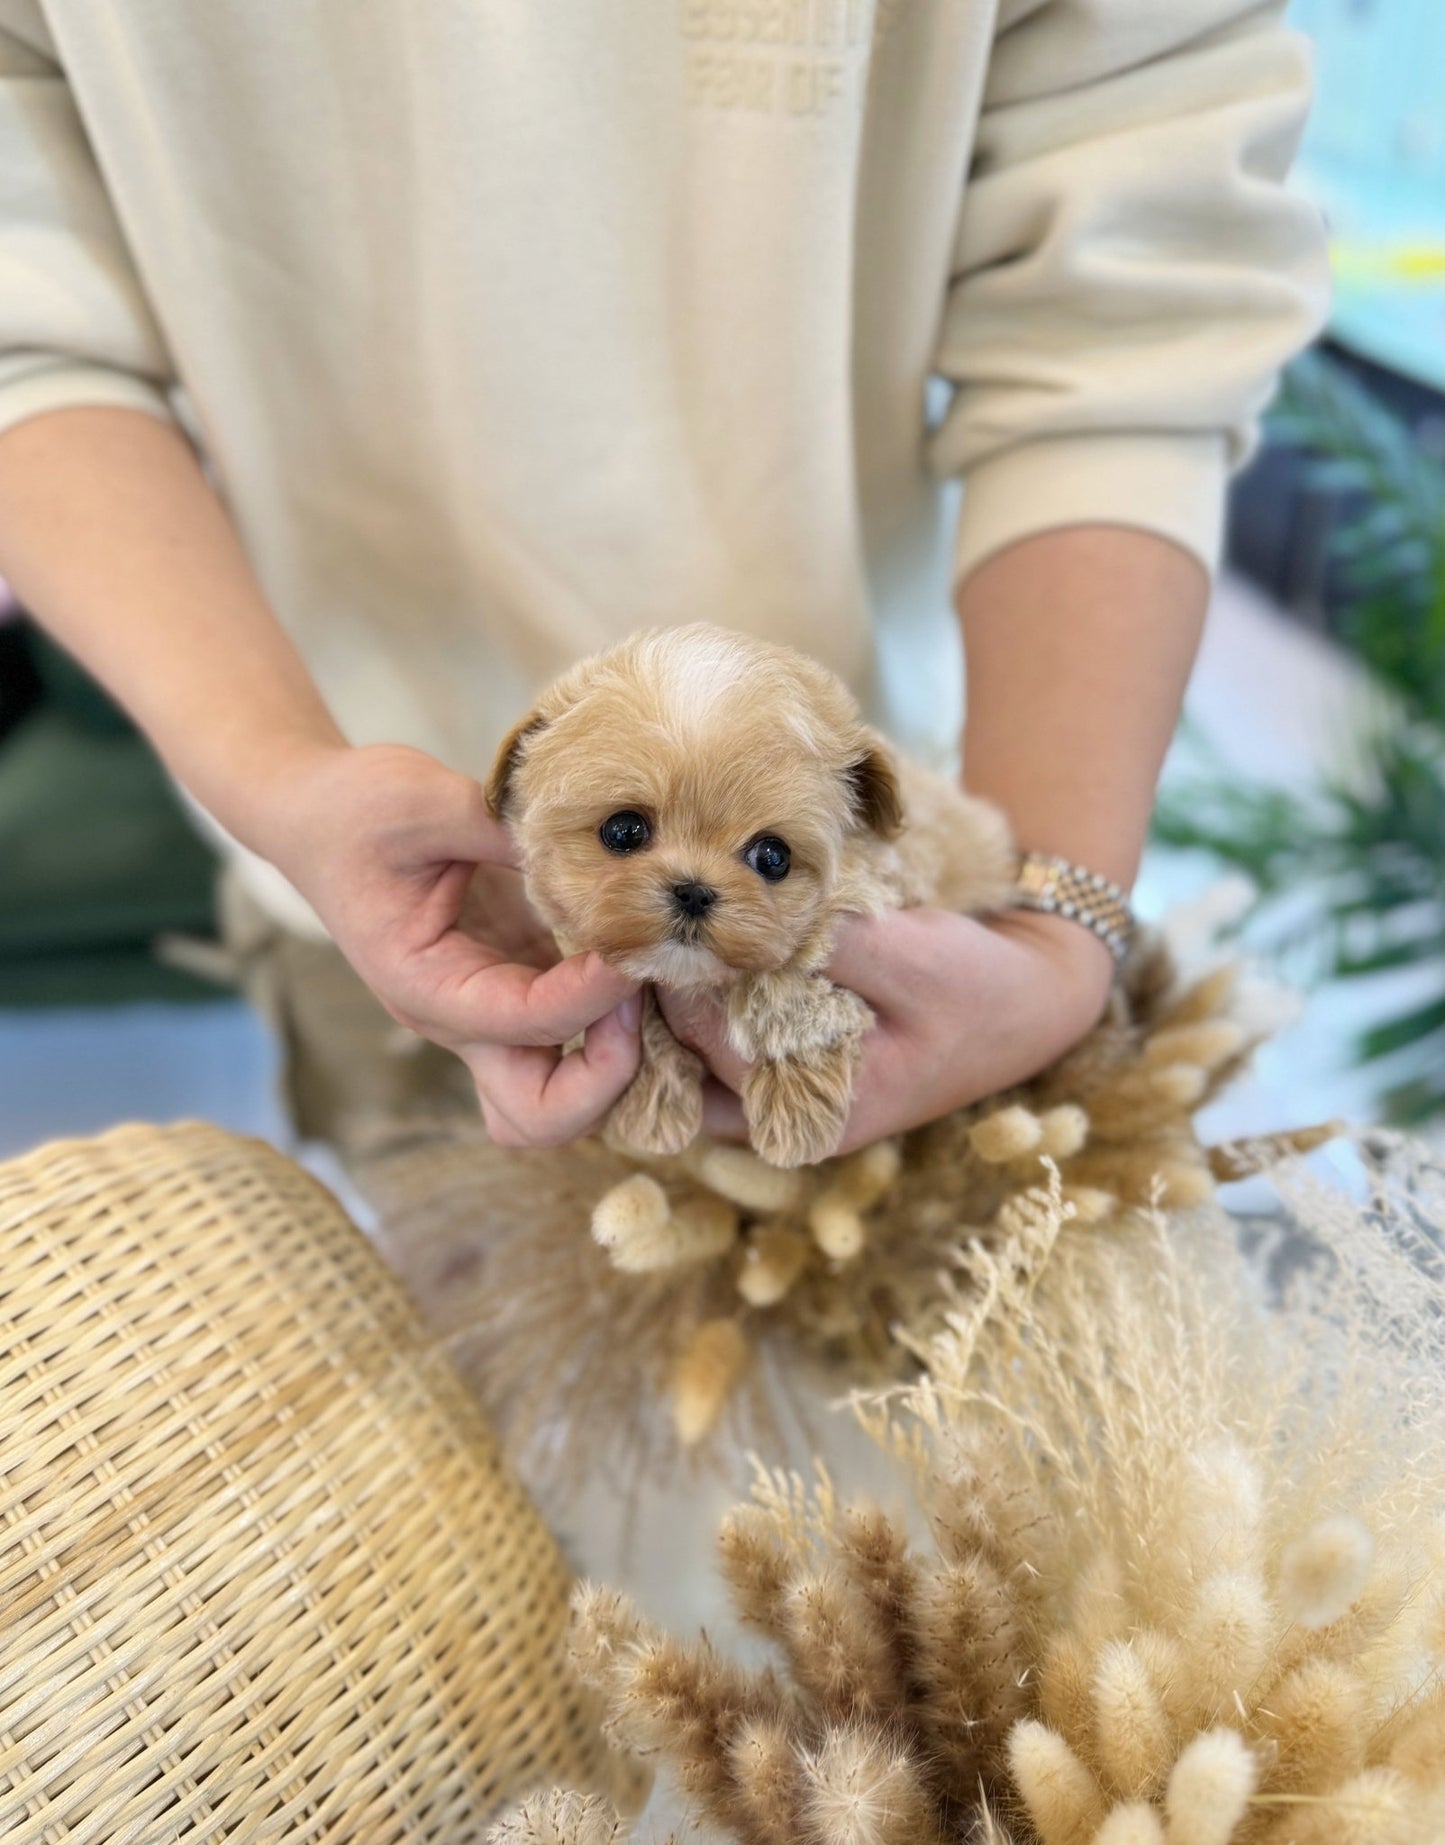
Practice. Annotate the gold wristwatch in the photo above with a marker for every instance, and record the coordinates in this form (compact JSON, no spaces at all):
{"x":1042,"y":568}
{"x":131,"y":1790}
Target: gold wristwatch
{"x":1054,"y":886}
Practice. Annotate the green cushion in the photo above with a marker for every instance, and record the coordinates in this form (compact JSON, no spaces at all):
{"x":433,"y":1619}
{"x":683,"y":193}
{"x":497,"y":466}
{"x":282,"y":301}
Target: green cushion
{"x":97,"y":855}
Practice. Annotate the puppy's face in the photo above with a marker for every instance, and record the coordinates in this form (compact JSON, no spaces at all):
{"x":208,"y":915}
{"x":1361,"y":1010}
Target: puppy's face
{"x":683,"y":803}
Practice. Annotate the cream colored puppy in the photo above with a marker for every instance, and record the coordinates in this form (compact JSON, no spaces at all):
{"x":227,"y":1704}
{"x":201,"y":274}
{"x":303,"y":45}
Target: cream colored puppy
{"x":701,"y":808}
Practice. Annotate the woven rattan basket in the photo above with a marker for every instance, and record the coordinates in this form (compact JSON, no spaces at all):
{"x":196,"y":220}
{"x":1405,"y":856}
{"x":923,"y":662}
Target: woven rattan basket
{"x":262,"y":1572}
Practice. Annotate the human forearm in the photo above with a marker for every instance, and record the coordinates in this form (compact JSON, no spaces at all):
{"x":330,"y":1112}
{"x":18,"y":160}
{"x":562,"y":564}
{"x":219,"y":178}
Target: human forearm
{"x":111,"y":535}
{"x":1079,"y":644}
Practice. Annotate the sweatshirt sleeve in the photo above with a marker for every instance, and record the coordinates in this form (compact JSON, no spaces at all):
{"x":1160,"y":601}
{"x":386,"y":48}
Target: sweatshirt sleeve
{"x":75,"y":327}
{"x":1129,"y":271}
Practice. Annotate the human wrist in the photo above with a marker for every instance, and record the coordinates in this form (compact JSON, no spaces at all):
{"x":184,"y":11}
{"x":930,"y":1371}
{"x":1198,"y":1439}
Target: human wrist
{"x":271,"y":780}
{"x":1053,"y":885}
{"x":1086,"y":843}
{"x":1079,"y":960}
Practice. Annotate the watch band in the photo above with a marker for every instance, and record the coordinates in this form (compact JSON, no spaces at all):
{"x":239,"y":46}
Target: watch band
{"x":1053,"y":885}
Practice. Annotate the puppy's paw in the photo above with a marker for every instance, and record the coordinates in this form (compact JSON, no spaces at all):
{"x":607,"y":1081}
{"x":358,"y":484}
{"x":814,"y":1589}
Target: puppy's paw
{"x":660,"y":1111}
{"x":796,"y":1110}
{"x":786,"y":1015}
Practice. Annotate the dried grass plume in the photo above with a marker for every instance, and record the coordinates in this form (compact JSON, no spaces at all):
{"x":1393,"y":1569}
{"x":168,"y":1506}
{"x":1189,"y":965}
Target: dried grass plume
{"x":628,"y":1302}
{"x":1185,"y":1575}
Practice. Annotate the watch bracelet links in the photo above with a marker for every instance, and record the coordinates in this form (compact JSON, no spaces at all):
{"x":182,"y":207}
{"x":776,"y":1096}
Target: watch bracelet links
{"x":1057,"y":888}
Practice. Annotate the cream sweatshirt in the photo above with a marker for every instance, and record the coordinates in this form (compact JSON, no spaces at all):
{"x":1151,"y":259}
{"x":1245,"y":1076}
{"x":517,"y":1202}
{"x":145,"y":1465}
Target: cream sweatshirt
{"x":509,"y":326}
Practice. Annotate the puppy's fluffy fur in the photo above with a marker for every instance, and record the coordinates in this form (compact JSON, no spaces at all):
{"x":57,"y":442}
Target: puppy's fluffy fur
{"x":717,"y":741}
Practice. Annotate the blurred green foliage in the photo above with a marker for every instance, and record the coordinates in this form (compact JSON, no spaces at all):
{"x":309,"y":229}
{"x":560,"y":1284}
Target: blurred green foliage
{"x":1365,"y":851}
{"x":97,"y":858}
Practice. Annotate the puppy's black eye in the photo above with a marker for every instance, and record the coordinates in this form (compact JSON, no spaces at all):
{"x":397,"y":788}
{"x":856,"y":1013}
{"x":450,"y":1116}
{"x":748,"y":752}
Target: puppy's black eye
{"x":769,"y":857}
{"x":625,"y":832}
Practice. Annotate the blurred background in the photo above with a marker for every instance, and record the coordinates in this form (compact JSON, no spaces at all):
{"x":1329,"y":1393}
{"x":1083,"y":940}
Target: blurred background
{"x":1302,"y":813}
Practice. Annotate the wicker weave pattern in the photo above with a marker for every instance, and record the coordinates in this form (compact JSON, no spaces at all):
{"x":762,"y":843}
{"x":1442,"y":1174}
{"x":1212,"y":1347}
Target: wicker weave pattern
{"x":263,"y":1574}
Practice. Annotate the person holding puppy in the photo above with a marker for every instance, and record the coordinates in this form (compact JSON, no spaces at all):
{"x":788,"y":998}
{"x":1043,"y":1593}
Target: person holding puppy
{"x":358,"y":374}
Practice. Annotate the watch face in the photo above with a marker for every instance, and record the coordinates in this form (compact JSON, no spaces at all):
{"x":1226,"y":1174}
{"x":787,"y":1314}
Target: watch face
{"x":1035,"y":876}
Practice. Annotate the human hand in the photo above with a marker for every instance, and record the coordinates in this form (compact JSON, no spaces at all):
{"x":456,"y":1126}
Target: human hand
{"x":964,"y":1008}
{"x":418,"y":886}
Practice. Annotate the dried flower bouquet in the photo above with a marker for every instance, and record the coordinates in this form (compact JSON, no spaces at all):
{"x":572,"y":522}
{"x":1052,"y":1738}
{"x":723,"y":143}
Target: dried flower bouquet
{"x":1184,"y":1582}
{"x":695,"y":1266}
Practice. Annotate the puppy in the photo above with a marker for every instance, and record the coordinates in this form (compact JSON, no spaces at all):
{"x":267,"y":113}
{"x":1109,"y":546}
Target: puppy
{"x":701,"y":808}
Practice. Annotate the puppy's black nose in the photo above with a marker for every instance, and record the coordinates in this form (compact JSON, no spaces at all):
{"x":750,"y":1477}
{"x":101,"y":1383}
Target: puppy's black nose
{"x":694,"y":899}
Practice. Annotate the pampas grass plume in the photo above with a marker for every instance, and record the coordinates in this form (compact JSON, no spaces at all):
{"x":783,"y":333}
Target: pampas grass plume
{"x":689,"y":1703}
{"x":1163,"y":1659}
{"x":1146,"y":1097}
{"x":1088,"y":1204}
{"x":1208,"y":1045}
{"x":768,"y":1776}
{"x":1318,"y":1717}
{"x":1099,"y":1611}
{"x":772,"y":1260}
{"x":1207,"y":997}
{"x":837,"y":1228}
{"x":1419,"y":1754}
{"x":863,"y":1789}
{"x":1432,"y":1626}
{"x":976,"y":1504}
{"x":1182,"y":1185}
{"x":631,"y":1222}
{"x":875,"y":1552}
{"x":836,"y":1215}
{"x":561,"y":1819}
{"x":1222,"y":1505}
{"x":1059,"y":1792}
{"x":967,"y":1660}
{"x":1323,"y":1574}
{"x":706,"y":1227}
{"x":1066,"y":1687}
{"x":1377,"y":1807}
{"x":605,"y":1623}
{"x":715,"y":1358}
{"x":642,"y":1232}
{"x":840,"y":1650}
{"x":740,"y":1176}
{"x":1135,"y":1824}
{"x":1242,"y":1159}
{"x":756,"y":1568}
{"x":1226,"y":1639}
{"x":1132,"y":1734}
{"x":875,"y":1168}
{"x":1209,"y":1789}
{"x":1063,"y":1131}
{"x":1006,"y":1135}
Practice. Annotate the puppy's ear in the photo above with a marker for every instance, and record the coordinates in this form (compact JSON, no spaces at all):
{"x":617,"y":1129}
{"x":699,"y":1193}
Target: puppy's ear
{"x":873,"y":780}
{"x":499,"y":782}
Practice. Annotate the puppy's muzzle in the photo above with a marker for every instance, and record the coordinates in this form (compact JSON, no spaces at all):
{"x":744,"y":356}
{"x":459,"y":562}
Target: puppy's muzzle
{"x":693,"y":900}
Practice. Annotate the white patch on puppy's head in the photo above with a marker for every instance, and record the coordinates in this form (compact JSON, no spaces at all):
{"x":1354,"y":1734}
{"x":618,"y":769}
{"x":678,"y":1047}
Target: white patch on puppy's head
{"x":739,"y":768}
